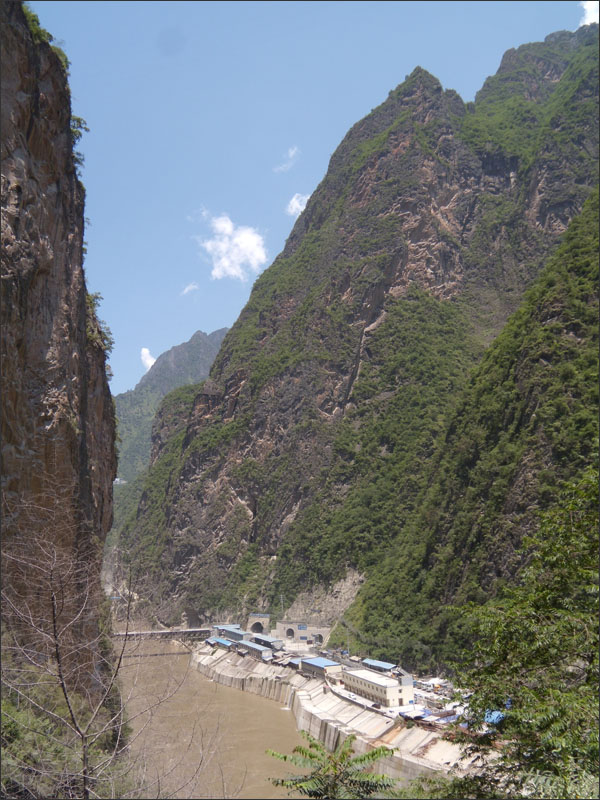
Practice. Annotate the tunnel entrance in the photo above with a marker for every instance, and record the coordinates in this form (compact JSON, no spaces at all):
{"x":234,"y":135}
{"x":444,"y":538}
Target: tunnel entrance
{"x":318,"y":638}
{"x":290,"y":633}
{"x":257,"y":628}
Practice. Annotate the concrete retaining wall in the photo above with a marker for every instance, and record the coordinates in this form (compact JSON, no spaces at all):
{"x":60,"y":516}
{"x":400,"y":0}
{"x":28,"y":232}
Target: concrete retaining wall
{"x":328,"y":717}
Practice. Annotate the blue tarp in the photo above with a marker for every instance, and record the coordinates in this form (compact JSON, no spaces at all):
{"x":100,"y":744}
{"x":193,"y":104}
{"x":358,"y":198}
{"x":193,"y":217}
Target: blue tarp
{"x":493,"y":717}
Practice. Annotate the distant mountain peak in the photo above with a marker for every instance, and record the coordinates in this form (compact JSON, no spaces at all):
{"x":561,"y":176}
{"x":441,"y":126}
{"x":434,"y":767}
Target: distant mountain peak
{"x":181,"y":365}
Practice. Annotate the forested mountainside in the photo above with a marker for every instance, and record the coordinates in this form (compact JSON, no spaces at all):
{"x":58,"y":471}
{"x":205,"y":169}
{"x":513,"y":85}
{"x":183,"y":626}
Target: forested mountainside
{"x":58,"y":431}
{"x":526,"y":423}
{"x":183,"y":364}
{"x":304,"y":458}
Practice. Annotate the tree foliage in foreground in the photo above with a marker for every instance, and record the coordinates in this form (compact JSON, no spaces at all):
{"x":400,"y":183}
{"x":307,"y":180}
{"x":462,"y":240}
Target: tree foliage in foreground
{"x":535,"y":659}
{"x":339,"y":774}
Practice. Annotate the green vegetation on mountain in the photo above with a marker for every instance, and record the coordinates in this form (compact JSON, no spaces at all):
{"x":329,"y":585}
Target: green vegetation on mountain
{"x":184,"y":364}
{"x":418,"y":358}
{"x":351,"y":418}
{"x":42,"y":36}
{"x":526,"y":422}
{"x":534,"y":658}
{"x":517,"y":114}
{"x":97,"y":331}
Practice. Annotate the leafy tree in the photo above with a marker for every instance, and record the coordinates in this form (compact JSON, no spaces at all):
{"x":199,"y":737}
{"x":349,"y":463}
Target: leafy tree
{"x":333,"y":775}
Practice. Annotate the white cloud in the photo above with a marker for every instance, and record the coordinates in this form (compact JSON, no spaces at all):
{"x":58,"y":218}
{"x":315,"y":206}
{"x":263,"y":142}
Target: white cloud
{"x":147,"y":359}
{"x":191,"y":287}
{"x":590,"y":12}
{"x":235,"y":250}
{"x":292,"y":154}
{"x":297,"y":204}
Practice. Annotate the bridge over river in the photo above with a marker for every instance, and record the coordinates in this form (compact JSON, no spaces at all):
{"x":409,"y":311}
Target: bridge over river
{"x":185,"y":634}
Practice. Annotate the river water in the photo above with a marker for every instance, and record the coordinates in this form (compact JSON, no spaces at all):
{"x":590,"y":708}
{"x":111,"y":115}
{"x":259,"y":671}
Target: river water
{"x":201,"y":739}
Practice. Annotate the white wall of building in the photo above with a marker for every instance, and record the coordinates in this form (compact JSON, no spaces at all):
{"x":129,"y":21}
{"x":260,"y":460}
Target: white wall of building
{"x":374,"y":686}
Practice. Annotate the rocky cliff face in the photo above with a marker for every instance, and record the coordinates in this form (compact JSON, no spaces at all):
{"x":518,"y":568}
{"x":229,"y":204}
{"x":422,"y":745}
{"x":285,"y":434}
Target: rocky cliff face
{"x":302,"y":456}
{"x":57,"y":413}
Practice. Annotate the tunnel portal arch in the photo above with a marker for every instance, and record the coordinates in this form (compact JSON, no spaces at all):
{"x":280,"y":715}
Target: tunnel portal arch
{"x":257,"y":627}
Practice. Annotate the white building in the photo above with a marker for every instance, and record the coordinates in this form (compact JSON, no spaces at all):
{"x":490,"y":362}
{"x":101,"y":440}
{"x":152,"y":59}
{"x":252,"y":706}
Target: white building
{"x":322,"y":667}
{"x":378,"y":688}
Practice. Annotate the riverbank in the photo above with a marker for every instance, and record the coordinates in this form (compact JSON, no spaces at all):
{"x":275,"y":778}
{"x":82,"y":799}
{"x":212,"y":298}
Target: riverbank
{"x":414,"y":751}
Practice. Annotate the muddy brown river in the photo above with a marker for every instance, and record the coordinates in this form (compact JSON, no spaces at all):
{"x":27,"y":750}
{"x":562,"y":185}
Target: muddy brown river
{"x":193,"y":738}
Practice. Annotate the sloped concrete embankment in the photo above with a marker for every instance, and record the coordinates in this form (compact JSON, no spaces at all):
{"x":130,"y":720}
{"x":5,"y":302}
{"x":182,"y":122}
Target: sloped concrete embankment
{"x":328,"y":717}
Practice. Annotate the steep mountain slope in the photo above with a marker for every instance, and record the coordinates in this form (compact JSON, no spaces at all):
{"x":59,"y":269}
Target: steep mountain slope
{"x":527,"y":421}
{"x":58,"y":427}
{"x":183,"y":364}
{"x":304,"y":453}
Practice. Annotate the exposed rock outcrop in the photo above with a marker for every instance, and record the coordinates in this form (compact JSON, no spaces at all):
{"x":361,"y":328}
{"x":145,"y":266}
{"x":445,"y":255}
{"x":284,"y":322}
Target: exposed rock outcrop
{"x":333,"y":384}
{"x":58,"y":456}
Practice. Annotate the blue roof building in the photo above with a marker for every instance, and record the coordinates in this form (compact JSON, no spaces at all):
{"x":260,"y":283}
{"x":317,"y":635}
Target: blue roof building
{"x":257,"y":651}
{"x":321,"y":666}
{"x":236,"y":634}
{"x":380,"y":666}
{"x":222,"y":642}
{"x":268,"y":641}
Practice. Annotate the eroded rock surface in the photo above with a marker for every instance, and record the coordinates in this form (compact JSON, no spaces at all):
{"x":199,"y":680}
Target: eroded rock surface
{"x":427,"y":197}
{"x":58,"y":457}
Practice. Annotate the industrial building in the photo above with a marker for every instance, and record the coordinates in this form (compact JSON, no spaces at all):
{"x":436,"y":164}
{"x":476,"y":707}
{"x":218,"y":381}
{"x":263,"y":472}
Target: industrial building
{"x":234,"y":634}
{"x":215,"y":641}
{"x":225,"y":630}
{"x":380,"y":666}
{"x":267,"y":641}
{"x":321,"y":667}
{"x":375,"y":687}
{"x":257,"y":651}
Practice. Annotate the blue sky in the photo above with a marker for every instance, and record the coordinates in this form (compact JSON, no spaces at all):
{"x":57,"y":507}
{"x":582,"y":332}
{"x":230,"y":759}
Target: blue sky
{"x":212,"y":122}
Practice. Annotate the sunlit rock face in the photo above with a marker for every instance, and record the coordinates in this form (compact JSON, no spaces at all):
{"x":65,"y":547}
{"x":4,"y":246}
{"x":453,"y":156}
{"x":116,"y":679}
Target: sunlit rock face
{"x":58,"y":430}
{"x":431,"y":209}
